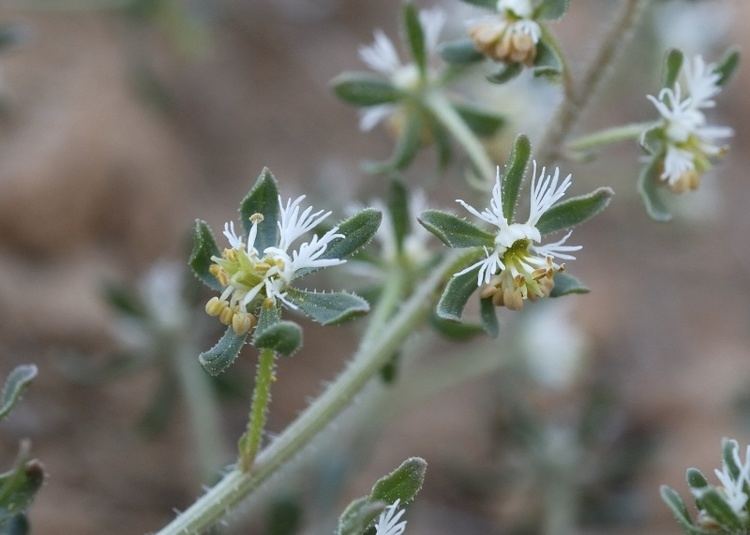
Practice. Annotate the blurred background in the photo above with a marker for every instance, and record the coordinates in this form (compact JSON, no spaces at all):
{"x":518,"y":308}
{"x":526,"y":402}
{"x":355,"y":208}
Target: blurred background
{"x":122,"y":121}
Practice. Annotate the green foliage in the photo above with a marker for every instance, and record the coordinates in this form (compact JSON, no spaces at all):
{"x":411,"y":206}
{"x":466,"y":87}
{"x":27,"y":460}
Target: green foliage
{"x":483,"y":122}
{"x":551,"y":9}
{"x":548,"y":63}
{"x":204,"y":247}
{"x":414,"y":36}
{"x":217,"y":359}
{"x":728,"y":65}
{"x":15,"y":384}
{"x":407,"y":146}
{"x":358,"y":230}
{"x":364,"y":89}
{"x":514,"y":173}
{"x":262,"y":199}
{"x":567,"y":284}
{"x":453,"y":330}
{"x":679,"y":510}
{"x":488,"y":315}
{"x":574,"y":211}
{"x":398,"y":209}
{"x":460,"y":52}
{"x":457,"y":292}
{"x":454,"y":231}
{"x":648,"y":187}
{"x":284,"y":337}
{"x":18,"y":487}
{"x":672,"y":67}
{"x":489,"y":4}
{"x":506,"y":73}
{"x":328,"y":308}
{"x":402,"y":484}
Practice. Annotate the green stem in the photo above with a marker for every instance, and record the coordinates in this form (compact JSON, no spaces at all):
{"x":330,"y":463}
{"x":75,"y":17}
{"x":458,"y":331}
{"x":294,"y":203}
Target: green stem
{"x":452,"y":121}
{"x":203,"y":412}
{"x":250,"y":441}
{"x":575,"y":101}
{"x":367,"y":362}
{"x":608,"y":136}
{"x":389,"y":300}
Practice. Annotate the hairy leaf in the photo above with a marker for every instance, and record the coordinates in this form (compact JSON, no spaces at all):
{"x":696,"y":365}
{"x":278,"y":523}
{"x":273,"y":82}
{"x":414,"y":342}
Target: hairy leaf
{"x":15,"y":384}
{"x":567,"y":284}
{"x":648,"y":186}
{"x":727,"y":66}
{"x":223,"y":354}
{"x":328,"y":308}
{"x":551,"y":9}
{"x":454,"y":231}
{"x":364,"y":89}
{"x":514,"y":173}
{"x":262,"y":199}
{"x":574,"y":211}
{"x":488,"y":314}
{"x":414,"y":34}
{"x":284,"y":337}
{"x":204,"y":247}
{"x":460,"y":52}
{"x":672,"y":67}
{"x":456,"y":294}
{"x":402,"y":484}
{"x":398,"y":208}
{"x":507,"y":73}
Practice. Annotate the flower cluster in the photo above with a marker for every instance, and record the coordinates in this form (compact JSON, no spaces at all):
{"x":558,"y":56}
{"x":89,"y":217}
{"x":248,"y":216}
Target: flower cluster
{"x":382,"y":57}
{"x":691,"y":143}
{"x":250,"y":277}
{"x":511,"y":35}
{"x":519,"y":267}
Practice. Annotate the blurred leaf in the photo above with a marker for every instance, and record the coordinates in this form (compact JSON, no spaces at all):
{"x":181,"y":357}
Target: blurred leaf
{"x":223,"y":354}
{"x":547,"y":63}
{"x":513,"y":175}
{"x":648,"y":186}
{"x":453,"y":330}
{"x":729,"y":448}
{"x":414,"y":34}
{"x":262,"y":199}
{"x":488,"y":315}
{"x":442,"y":144}
{"x":506,"y":73}
{"x":672,"y":67}
{"x":358,"y":515}
{"x":567,"y":284}
{"x":728,"y":65}
{"x":489,"y":4}
{"x":677,"y":506}
{"x":482,"y":122}
{"x":652,"y":139}
{"x":407,"y":146}
{"x":551,"y":9}
{"x":11,"y":35}
{"x":328,"y":308}
{"x":398,"y":207}
{"x":716,"y":506}
{"x":454,"y":231}
{"x":460,"y":52}
{"x":574,"y":211}
{"x":204,"y":247}
{"x":19,"y":485}
{"x":696,"y":480}
{"x":124,"y":300}
{"x":402,"y":484}
{"x":364,"y":89}
{"x":15,"y":384}
{"x":156,"y":417}
{"x":389,"y":372}
{"x":17,"y":525}
{"x":456,"y":294}
{"x":358,"y":230}
{"x":285,"y":517}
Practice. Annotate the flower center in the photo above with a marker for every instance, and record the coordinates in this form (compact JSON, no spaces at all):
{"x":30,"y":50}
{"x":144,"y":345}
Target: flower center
{"x":407,"y":77}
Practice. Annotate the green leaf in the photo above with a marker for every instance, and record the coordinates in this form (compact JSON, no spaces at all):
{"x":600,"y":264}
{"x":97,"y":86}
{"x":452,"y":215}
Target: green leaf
{"x":389,"y":372}
{"x":507,"y":73}
{"x":204,"y":247}
{"x":262,"y":199}
{"x":17,"y":525}
{"x":574,"y":211}
{"x":328,"y":308}
{"x":358,"y":230}
{"x":514,"y":173}
{"x":728,"y":449}
{"x":407,"y":146}
{"x":648,"y":186}
{"x":454,"y":231}
{"x":460,"y":52}
{"x":680,"y":512}
{"x":402,"y":484}
{"x":124,"y":300}
{"x":727,"y":66}
{"x":567,"y":284}
{"x":284,"y":516}
{"x":19,"y":485}
{"x":284,"y":337}
{"x":414,"y":34}
{"x":15,"y":384}
{"x":715,"y":505}
{"x":453,"y":330}
{"x":398,"y":208}
{"x":223,"y":354}
{"x":442,"y":144}
{"x":547,"y":63}
{"x":672,"y":67}
{"x":652,"y":139}
{"x":696,"y":480}
{"x":489,"y":4}
{"x":488,"y":314}
{"x":358,"y":516}
{"x":456,"y":294}
{"x":551,"y":9}
{"x":364,"y":89}
{"x":483,"y":122}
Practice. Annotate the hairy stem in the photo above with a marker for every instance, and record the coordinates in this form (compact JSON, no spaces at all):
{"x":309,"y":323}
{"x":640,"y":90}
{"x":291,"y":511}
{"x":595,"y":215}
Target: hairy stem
{"x":393,"y":291}
{"x":452,"y":121}
{"x":608,"y":136}
{"x":250,"y":441}
{"x":575,"y":100}
{"x":367,"y":362}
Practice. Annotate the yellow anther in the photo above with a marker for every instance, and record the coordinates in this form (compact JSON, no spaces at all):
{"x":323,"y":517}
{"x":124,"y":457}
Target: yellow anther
{"x":226,"y":316}
{"x":215,"y":306}
{"x":242,"y":322}
{"x":256,"y":218}
{"x":218,"y":272}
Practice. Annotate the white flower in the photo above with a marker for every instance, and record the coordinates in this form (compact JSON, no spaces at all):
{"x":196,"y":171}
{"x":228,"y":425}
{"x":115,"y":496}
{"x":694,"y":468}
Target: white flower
{"x":691,"y":142}
{"x":247,"y":275}
{"x":520,"y":267}
{"x":388,"y":521}
{"x":382,"y":56}
{"x":734,"y":487}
